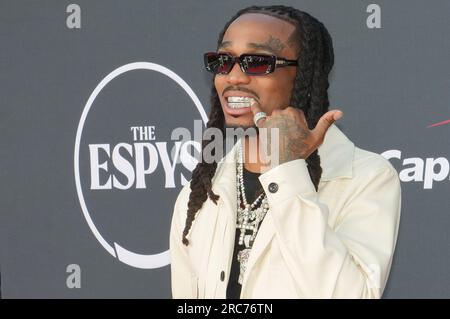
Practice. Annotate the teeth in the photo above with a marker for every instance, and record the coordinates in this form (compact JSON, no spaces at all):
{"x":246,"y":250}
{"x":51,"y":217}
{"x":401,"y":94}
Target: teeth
{"x":238,"y":99}
{"x":237,"y":102}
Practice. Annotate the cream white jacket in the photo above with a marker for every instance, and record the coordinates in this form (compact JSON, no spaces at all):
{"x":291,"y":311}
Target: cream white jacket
{"x":334,"y":243}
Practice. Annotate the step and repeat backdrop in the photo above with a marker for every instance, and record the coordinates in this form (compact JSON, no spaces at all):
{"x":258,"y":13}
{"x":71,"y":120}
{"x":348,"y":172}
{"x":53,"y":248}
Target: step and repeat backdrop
{"x":91,"y":91}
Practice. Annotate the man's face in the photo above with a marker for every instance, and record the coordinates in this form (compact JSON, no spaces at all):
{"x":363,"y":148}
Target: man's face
{"x":263,"y":34}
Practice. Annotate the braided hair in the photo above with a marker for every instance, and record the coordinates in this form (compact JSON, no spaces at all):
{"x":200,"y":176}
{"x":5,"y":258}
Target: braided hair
{"x":309,"y":94}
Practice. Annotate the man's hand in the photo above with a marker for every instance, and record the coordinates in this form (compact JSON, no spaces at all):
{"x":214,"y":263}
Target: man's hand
{"x":296,"y":140}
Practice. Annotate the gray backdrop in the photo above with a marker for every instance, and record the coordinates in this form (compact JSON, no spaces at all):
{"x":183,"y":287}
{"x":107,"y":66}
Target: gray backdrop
{"x":392,"y":82}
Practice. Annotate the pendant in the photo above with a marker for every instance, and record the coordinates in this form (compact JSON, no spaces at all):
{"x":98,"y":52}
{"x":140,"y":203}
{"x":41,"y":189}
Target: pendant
{"x":247,"y":239}
{"x":243,"y":257}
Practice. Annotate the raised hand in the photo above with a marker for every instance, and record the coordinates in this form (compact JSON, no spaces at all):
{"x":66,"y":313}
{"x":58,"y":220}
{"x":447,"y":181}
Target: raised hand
{"x":295,"y":140}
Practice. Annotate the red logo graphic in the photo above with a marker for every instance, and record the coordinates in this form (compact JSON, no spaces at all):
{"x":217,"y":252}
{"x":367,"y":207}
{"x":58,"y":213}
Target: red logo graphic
{"x":439,"y":123}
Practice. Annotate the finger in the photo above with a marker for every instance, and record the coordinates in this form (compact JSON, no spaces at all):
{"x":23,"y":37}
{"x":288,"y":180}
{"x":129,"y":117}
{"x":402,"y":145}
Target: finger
{"x":255,"y":108}
{"x":325,"y":122}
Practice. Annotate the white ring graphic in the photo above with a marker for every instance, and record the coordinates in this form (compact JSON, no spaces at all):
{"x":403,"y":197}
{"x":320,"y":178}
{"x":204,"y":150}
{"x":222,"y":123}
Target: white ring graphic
{"x":136,"y":260}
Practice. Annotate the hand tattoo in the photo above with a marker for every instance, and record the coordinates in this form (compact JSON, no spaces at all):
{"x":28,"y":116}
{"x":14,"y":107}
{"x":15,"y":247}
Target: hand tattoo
{"x":292,"y":137}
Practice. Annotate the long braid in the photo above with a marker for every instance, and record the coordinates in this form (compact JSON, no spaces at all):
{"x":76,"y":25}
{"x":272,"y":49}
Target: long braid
{"x":309,"y":94}
{"x":203,"y":173}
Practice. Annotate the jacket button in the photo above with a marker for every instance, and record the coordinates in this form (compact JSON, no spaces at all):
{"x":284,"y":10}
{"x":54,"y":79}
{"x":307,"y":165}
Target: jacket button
{"x":222,"y":275}
{"x":273,"y":187}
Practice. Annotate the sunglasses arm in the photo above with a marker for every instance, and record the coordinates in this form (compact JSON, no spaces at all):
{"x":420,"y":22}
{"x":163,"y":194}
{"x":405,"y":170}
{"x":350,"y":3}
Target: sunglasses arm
{"x":284,"y":62}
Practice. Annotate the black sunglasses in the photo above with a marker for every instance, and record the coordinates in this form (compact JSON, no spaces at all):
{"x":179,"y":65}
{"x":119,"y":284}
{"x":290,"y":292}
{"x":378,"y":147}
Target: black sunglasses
{"x":252,"y":64}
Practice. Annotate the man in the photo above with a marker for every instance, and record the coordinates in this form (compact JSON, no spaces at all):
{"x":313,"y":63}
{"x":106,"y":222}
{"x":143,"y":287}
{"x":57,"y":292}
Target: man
{"x":323,"y":222}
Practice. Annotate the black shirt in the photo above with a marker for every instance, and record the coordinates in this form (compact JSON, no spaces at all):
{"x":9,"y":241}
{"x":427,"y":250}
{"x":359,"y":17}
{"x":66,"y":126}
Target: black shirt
{"x":252,"y":187}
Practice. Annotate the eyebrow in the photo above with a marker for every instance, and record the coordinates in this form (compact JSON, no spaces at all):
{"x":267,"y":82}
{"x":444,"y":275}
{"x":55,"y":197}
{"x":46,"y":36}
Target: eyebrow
{"x":268,"y":46}
{"x":224,"y":44}
{"x":264,"y":47}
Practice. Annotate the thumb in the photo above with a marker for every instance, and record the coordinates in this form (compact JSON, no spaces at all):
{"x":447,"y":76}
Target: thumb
{"x":326,"y":121}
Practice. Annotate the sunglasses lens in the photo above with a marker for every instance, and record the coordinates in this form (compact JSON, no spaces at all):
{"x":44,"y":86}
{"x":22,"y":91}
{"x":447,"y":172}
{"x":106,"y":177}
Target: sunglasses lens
{"x":218,"y":63}
{"x":254,"y":64}
{"x":257,"y":64}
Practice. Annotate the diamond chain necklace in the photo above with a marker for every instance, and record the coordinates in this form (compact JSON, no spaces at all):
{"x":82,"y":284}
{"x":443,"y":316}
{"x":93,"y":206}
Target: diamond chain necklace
{"x":249,"y":217}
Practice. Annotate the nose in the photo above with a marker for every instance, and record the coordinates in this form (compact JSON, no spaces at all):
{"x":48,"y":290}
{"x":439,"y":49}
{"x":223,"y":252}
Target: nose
{"x":237,"y":76}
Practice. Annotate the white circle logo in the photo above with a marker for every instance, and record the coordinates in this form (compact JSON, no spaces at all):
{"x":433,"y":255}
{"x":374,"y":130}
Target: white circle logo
{"x":124,"y":255}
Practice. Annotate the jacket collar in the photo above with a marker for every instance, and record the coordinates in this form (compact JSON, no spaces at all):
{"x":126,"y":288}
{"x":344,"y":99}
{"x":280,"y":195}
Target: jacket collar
{"x":336,"y":158}
{"x":336,"y":155}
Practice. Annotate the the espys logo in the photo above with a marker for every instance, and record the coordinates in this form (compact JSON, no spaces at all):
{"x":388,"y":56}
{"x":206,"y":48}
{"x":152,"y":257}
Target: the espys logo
{"x":118,"y":166}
